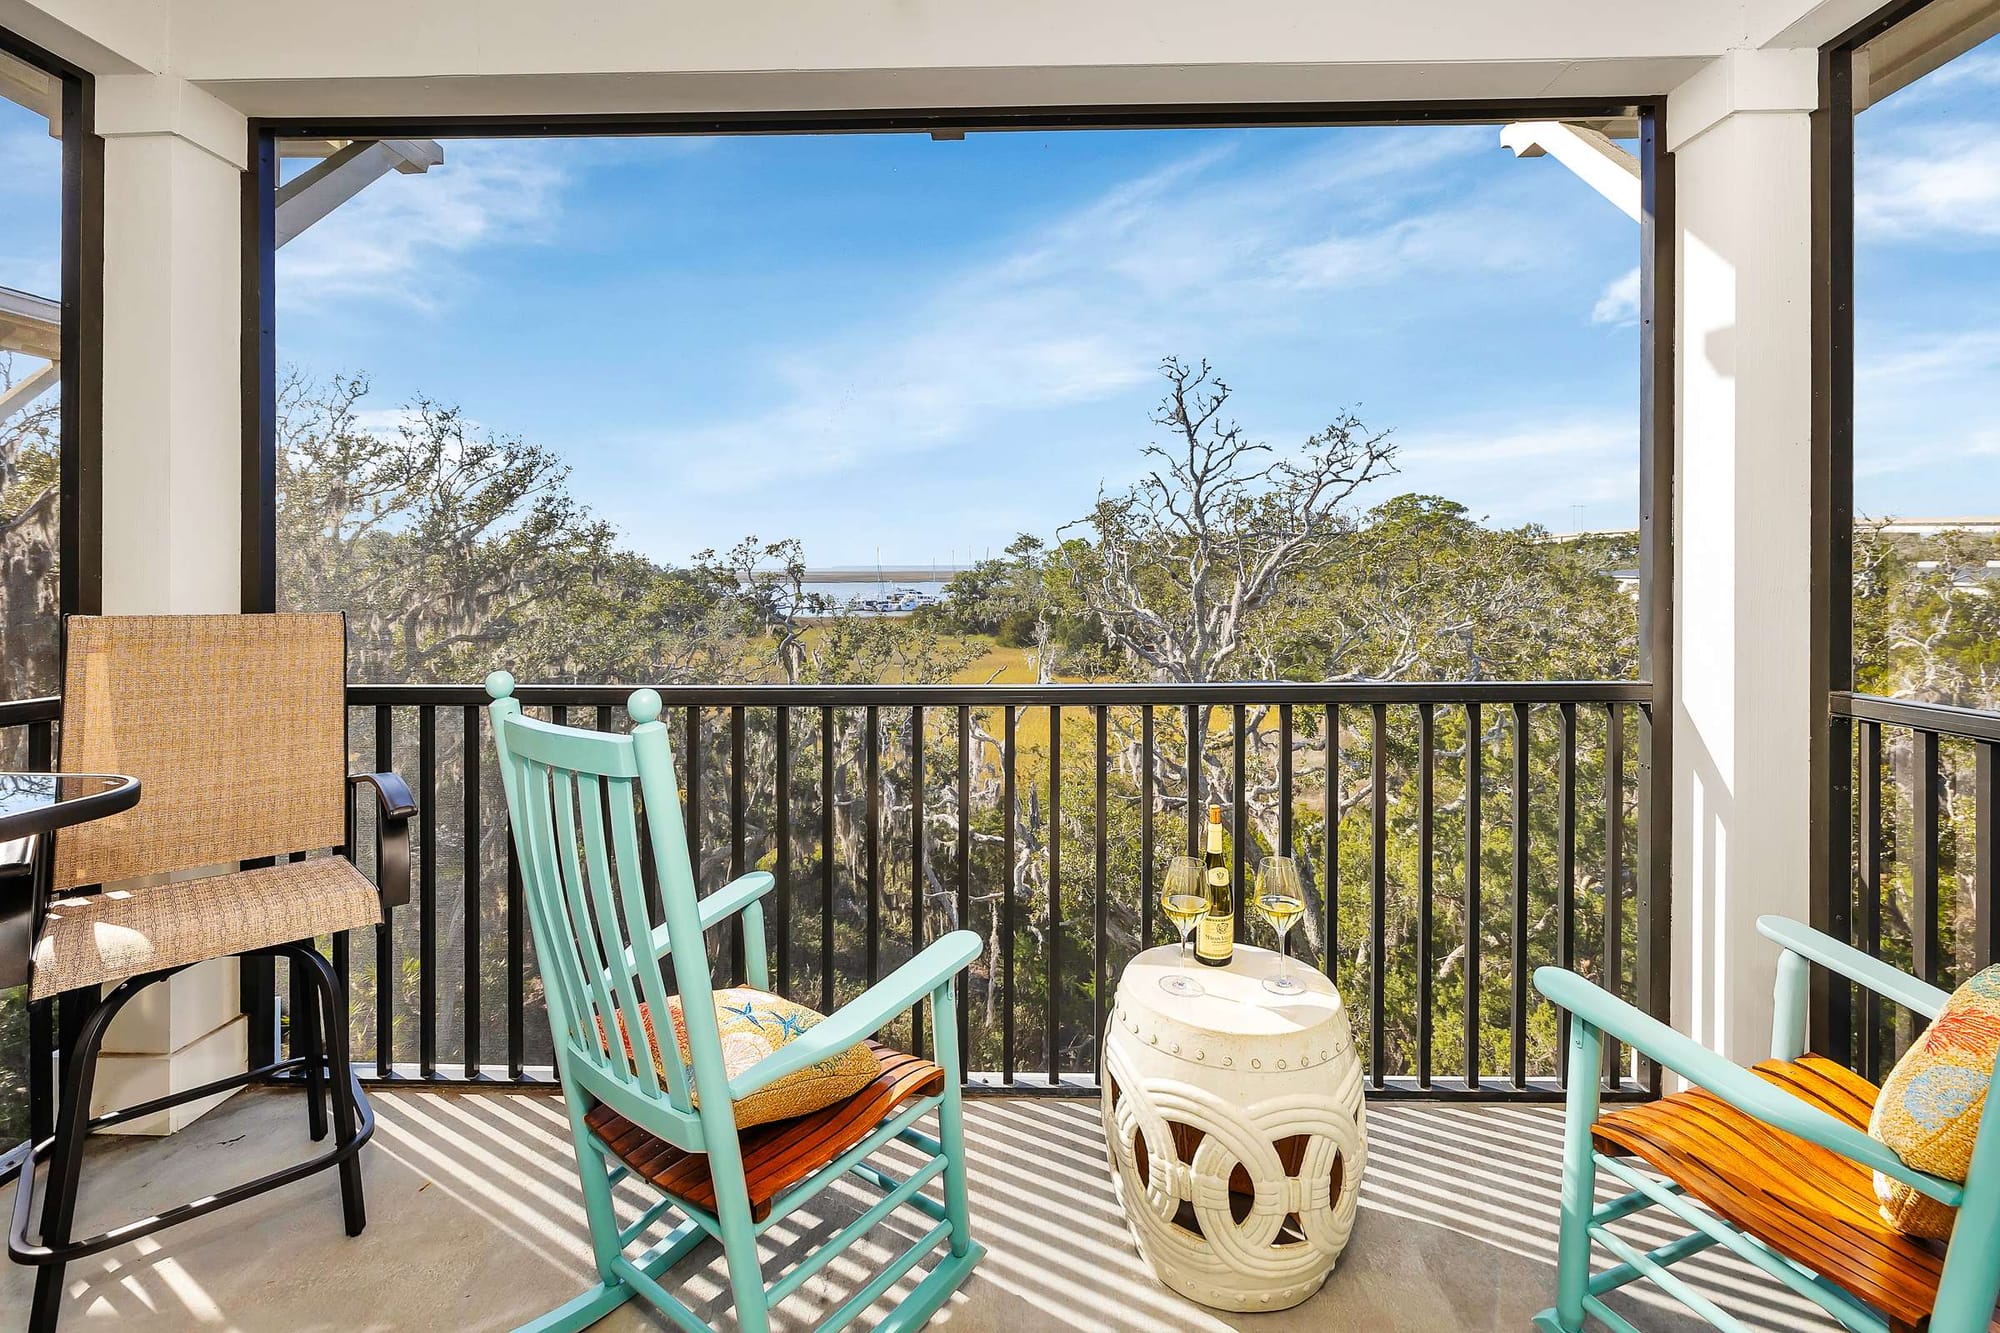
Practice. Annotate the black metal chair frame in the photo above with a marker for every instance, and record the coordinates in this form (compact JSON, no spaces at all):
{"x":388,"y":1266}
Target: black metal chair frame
{"x":323,"y":1068}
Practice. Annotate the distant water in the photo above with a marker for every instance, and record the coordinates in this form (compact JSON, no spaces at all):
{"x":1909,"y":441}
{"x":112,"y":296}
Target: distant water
{"x":846,"y":595}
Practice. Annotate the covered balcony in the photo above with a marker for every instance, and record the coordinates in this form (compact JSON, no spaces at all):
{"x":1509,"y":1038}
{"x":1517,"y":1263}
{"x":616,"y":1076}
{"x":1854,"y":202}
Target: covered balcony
{"x":1455,"y":832}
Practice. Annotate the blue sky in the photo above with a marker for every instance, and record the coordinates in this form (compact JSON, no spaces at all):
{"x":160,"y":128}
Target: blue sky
{"x":30,"y":203}
{"x":886,"y":342}
{"x":1927,"y":294}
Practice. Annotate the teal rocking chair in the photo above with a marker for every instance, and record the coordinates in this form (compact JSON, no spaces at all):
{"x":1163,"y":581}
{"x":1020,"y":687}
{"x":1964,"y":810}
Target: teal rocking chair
{"x":576,"y":826}
{"x":1773,"y":1162}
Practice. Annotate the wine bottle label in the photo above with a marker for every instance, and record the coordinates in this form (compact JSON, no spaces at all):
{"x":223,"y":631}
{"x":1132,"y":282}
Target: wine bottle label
{"x":1215,"y":940}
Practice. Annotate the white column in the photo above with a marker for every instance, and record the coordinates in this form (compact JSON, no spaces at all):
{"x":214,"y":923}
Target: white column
{"x":1744,"y":716}
{"x":173,"y":162}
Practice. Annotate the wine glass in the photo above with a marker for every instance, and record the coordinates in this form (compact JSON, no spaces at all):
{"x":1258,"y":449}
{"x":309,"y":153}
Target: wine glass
{"x":1185,"y":901}
{"x":1281,"y":901}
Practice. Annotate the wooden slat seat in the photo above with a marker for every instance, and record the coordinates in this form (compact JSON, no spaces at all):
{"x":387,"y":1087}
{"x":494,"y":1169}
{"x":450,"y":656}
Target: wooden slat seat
{"x":1808,"y":1203}
{"x":778,"y":1155}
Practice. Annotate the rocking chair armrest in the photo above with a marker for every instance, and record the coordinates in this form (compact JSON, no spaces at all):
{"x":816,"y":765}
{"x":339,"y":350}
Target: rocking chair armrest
{"x":736,"y":896}
{"x":866,"y":1014}
{"x":1849,"y":962}
{"x":739,"y":895}
{"x":394,"y":807}
{"x":1592,"y":1005}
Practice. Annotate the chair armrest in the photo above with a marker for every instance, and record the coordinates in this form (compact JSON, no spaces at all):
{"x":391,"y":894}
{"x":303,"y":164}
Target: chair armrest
{"x":394,"y":806}
{"x":733,"y":897}
{"x":718,"y":907}
{"x":1730,"y":1081}
{"x":19,"y":908}
{"x":1856,"y":966}
{"x":865,"y":1015}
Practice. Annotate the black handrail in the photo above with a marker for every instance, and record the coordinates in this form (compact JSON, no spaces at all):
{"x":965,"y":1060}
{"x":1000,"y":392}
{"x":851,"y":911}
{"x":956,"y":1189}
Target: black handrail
{"x":1032,"y":696}
{"x":21,"y":712}
{"x":1939,"y":719}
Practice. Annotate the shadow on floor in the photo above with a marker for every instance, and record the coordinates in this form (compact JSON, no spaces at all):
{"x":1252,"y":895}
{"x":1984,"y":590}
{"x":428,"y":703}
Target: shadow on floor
{"x":475,"y":1223}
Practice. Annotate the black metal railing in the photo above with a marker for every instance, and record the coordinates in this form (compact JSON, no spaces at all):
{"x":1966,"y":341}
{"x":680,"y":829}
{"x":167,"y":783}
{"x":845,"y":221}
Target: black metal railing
{"x":27,"y":1089}
{"x":1923,"y":888}
{"x":1470,"y":832}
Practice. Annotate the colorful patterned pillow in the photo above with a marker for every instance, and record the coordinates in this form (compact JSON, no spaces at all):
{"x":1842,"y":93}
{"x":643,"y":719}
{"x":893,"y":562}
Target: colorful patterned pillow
{"x":753,"y":1024}
{"x":1928,"y":1111}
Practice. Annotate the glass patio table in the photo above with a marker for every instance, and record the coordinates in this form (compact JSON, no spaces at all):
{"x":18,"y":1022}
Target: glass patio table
{"x":32,"y":803}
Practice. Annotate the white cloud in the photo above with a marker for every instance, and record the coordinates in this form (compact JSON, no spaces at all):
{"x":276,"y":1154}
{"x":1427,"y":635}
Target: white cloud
{"x":1619,"y":303}
{"x":1511,"y":442}
{"x":1526,"y":469}
{"x":1938,"y":181}
{"x":1932,"y":359}
{"x":1081,"y":308}
{"x":403,"y":238}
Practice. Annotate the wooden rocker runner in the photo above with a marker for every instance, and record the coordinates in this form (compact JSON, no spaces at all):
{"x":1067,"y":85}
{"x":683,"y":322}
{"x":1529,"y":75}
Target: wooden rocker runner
{"x":575,"y":800}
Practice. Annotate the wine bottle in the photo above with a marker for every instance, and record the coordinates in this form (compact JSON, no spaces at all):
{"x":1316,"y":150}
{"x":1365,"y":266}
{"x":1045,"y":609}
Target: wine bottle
{"x":1215,"y":940}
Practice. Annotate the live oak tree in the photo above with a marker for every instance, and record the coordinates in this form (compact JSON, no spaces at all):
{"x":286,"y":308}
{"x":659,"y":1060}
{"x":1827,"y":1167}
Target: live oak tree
{"x":1177,"y":567}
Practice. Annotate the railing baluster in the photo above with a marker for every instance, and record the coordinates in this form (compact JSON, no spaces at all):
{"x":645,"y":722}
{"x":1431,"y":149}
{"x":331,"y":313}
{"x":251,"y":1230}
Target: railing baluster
{"x":1985,"y":856}
{"x":1924,"y":855}
{"x":691,"y":807}
{"x":1426,"y":870}
{"x":1101,"y":980}
{"x":1474,"y":793}
{"x":1239,"y":825}
{"x":385,"y":942}
{"x":781,"y":868}
{"x":517,"y":969}
{"x":1565,"y":876}
{"x":1284,"y":779}
{"x":826,"y":858}
{"x":1614,"y":877}
{"x":42,"y":1045}
{"x":965,"y":868}
{"x":916,"y":861}
{"x":1008,"y":874}
{"x":1330,"y":818}
{"x":737,"y":970}
{"x":1378,"y":918}
{"x":343,"y":942}
{"x":1195,"y":742}
{"x":1146,"y":826}
{"x":871,"y":777}
{"x":1518,"y":1010}
{"x":427,"y":825}
{"x":41,"y":1069}
{"x":1052,"y":1013}
{"x":1869,"y":869}
{"x":469,"y":780}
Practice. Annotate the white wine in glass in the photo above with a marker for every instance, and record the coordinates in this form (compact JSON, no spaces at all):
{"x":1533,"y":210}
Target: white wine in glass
{"x":1184,"y":900}
{"x":1281,"y":901}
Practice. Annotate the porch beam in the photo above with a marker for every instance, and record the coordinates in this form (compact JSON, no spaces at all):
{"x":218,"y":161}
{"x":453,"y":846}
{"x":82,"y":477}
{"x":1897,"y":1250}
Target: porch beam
{"x":29,"y":389}
{"x":1590,"y":153}
{"x":345,"y":174}
{"x":30,"y":324}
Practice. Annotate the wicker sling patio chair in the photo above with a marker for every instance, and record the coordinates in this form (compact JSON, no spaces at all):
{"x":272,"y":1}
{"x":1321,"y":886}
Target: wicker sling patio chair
{"x":575,"y":800}
{"x":1774,"y":1163}
{"x":235,"y":726}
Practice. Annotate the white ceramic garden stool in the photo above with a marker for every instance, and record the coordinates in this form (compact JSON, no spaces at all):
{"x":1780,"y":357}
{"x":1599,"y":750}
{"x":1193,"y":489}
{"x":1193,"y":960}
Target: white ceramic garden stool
{"x":1235,"y":1128}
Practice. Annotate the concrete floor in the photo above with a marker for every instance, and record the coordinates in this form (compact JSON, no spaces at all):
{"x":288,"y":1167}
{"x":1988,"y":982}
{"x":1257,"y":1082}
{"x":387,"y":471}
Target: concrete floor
{"x":475,"y":1223}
